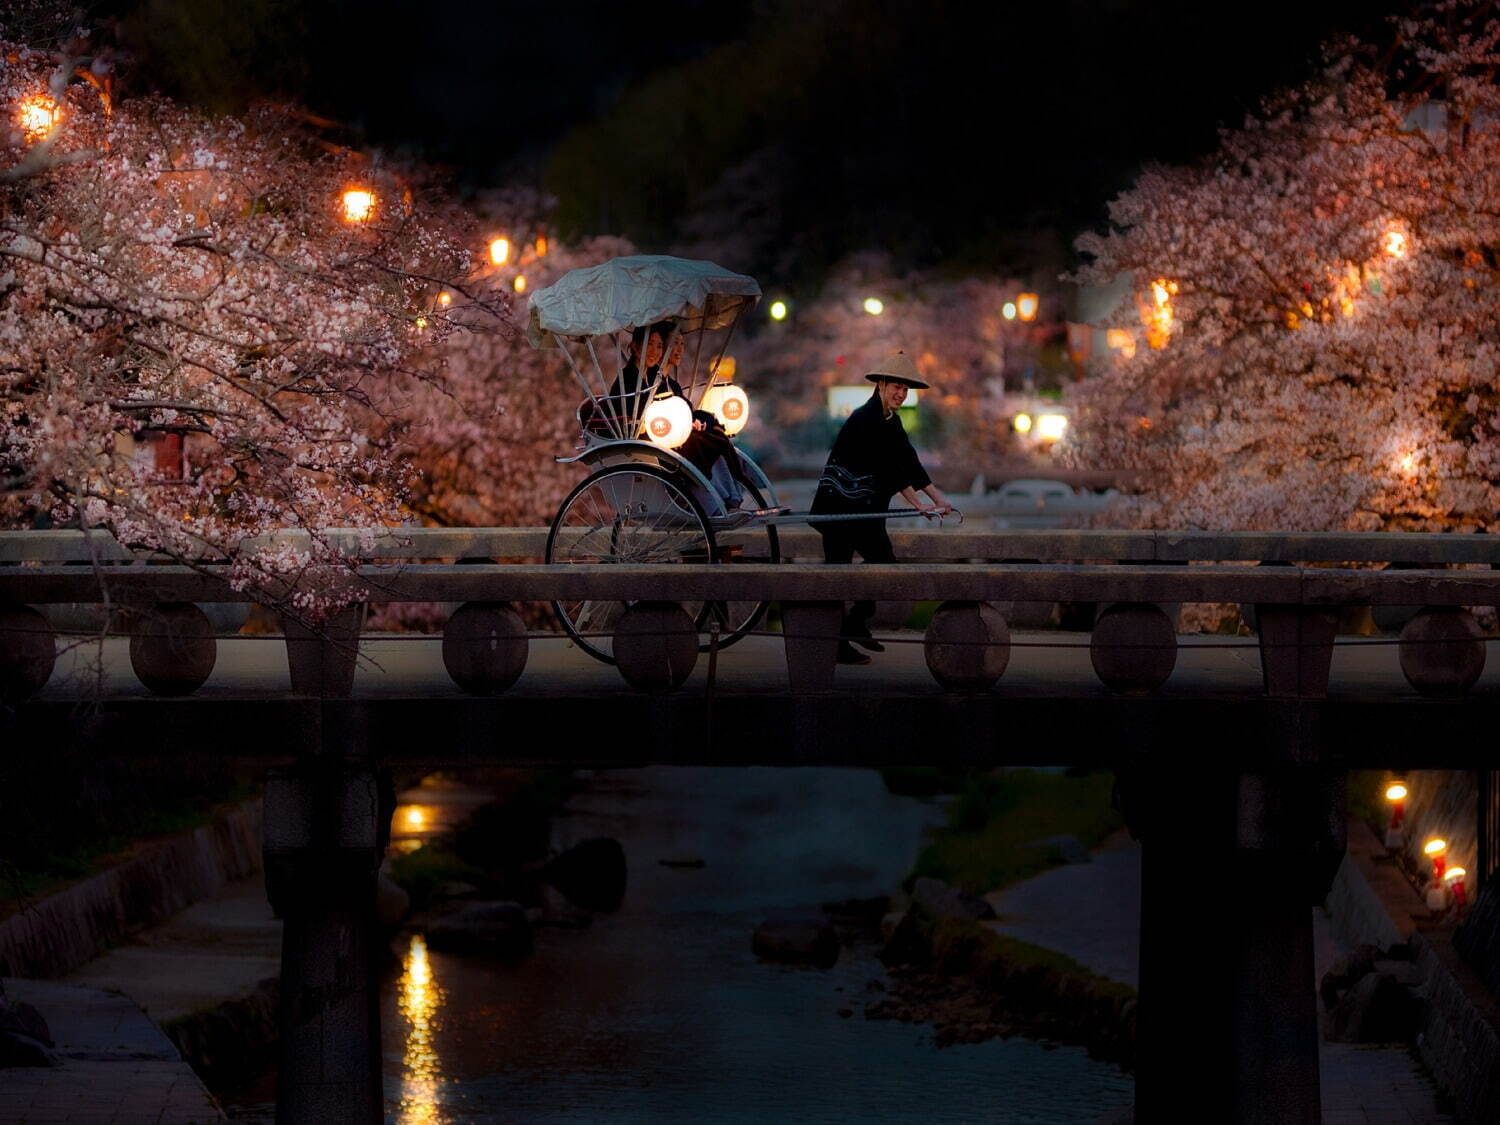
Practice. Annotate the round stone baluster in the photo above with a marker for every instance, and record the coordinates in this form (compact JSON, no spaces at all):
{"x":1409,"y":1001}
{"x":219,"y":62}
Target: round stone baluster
{"x":655,"y":646}
{"x":172,"y":648}
{"x":1442,"y":650}
{"x":967,"y":646}
{"x":1134,"y":647}
{"x":485,"y":647}
{"x":27,"y":652}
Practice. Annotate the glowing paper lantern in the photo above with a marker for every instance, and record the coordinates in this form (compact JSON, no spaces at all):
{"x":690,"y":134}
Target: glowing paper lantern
{"x":1436,"y":850}
{"x":669,"y":420}
{"x":519,"y":285}
{"x":729,"y":404}
{"x":874,"y":306}
{"x":358,"y":204}
{"x":38,"y":116}
{"x":1396,"y":793}
{"x":1051,"y":427}
{"x":1026,"y":306}
{"x":1022,"y":423}
{"x":778,"y":310}
{"x":1454,"y":877}
{"x":1008,"y":310}
{"x":499,"y":251}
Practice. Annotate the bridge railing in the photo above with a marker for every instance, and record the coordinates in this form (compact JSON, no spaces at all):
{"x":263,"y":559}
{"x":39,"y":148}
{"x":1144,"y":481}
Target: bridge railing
{"x":1133,"y":643}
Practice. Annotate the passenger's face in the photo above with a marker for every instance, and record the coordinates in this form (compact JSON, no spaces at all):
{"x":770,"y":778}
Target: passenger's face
{"x":654,"y":349}
{"x":675,"y":356}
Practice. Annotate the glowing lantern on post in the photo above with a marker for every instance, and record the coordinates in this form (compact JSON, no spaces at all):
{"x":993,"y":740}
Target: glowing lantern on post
{"x":499,"y":251}
{"x":778,"y":310}
{"x":1026,"y":306}
{"x":1454,"y":877}
{"x":38,"y":116}
{"x":669,"y":420}
{"x":1436,"y":850}
{"x":1396,"y":793}
{"x":1008,"y":310}
{"x":729,"y":404}
{"x":1022,"y":423}
{"x":519,"y":284}
{"x":358,"y":204}
{"x":874,"y":306}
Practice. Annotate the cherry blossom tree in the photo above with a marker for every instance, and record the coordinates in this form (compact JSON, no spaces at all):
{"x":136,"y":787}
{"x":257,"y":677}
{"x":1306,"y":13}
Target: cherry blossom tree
{"x":203,"y":323}
{"x":1317,"y":304}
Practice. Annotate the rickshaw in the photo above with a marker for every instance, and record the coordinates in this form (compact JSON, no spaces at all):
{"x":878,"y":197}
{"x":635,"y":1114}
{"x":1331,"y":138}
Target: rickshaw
{"x":643,"y":501}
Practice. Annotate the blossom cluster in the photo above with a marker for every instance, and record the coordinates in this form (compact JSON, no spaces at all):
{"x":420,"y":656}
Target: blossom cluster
{"x":1321,"y":301}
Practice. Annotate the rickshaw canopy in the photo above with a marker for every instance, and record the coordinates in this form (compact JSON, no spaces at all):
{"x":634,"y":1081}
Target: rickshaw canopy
{"x":627,"y":293}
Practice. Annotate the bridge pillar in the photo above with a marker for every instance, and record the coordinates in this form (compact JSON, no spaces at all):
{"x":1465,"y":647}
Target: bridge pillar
{"x":326,"y":822}
{"x":1232,"y":865}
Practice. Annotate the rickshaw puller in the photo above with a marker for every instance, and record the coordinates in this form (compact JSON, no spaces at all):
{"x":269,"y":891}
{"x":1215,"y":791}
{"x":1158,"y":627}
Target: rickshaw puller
{"x":872,"y":460}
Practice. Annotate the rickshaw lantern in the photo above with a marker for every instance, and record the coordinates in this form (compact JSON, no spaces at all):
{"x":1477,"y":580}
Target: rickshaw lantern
{"x":669,"y":420}
{"x":729,"y":404}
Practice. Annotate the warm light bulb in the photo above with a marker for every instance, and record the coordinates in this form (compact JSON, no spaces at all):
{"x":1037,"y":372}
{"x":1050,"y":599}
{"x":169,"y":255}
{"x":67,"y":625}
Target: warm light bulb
{"x":445,"y":298}
{"x":359,"y":204}
{"x":1022,"y":423}
{"x":778,"y":310}
{"x":415,"y":818}
{"x":1395,"y":791}
{"x":1051,"y":427}
{"x":1026,"y":306}
{"x":874,"y":306}
{"x":1008,"y":310}
{"x":38,"y":116}
{"x":499,"y":251}
{"x":729,"y":404}
{"x":668,"y":420}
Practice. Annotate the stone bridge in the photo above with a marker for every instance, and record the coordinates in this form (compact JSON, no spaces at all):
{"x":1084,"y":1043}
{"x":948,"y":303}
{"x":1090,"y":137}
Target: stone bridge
{"x":1230,"y":752}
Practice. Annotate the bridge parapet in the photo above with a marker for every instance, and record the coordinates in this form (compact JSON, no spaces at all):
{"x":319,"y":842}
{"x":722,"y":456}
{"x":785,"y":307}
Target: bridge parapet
{"x":1296,"y":605}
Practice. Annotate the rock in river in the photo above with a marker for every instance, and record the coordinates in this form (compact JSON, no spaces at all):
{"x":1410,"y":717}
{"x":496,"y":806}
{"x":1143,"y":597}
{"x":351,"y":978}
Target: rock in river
{"x":939,"y":900}
{"x":591,"y":874}
{"x":800,"y":941}
{"x":496,"y":928}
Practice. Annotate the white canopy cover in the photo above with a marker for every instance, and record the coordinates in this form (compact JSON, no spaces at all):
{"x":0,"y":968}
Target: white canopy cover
{"x":642,"y":289}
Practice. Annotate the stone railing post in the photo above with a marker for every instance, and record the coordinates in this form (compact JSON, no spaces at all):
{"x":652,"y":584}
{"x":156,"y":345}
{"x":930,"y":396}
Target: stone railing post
{"x":323,"y":842}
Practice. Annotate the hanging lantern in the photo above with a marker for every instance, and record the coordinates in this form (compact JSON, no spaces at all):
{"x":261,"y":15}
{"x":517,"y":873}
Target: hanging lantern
{"x":729,"y":404}
{"x":669,"y":420}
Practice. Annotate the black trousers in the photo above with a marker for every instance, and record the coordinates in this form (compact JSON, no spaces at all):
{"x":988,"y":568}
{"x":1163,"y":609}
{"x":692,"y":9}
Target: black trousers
{"x":841,"y":542}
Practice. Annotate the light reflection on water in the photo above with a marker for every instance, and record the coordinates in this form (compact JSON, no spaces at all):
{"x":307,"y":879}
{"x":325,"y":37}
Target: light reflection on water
{"x":660,"y":1013}
{"x":419,"y":997}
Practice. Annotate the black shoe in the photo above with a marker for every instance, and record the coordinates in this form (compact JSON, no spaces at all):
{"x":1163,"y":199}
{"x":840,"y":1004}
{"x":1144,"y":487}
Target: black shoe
{"x":868,"y":643}
{"x":848,"y":654}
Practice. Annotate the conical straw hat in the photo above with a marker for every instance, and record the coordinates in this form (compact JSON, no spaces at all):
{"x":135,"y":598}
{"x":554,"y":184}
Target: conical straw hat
{"x":899,"y":367}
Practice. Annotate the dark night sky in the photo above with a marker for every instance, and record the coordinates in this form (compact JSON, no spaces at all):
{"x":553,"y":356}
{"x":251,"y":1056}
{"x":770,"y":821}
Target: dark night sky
{"x":947,"y":131}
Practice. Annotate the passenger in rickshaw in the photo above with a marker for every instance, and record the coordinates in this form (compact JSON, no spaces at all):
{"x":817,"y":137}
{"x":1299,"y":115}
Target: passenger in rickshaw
{"x":708,"y":448}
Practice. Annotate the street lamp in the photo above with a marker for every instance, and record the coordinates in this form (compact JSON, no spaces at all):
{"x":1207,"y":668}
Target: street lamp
{"x":1051,"y":427}
{"x":874,"y":306}
{"x":38,"y":115}
{"x":358,"y":204}
{"x":1022,"y":423}
{"x":1008,"y":310}
{"x":778,"y":310}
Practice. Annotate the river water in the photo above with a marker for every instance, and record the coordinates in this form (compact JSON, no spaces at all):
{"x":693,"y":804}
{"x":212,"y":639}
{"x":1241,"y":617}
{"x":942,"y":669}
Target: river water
{"x":660,"y":1013}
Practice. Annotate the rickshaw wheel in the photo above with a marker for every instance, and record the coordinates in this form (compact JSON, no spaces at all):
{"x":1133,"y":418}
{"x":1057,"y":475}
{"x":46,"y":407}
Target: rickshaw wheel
{"x":625,"y":514}
{"x":758,"y":543}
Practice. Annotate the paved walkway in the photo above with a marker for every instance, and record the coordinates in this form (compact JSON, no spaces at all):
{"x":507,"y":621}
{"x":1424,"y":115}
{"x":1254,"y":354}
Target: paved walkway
{"x":118,"y":1067}
{"x":1091,"y":912}
{"x":213,"y":951}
